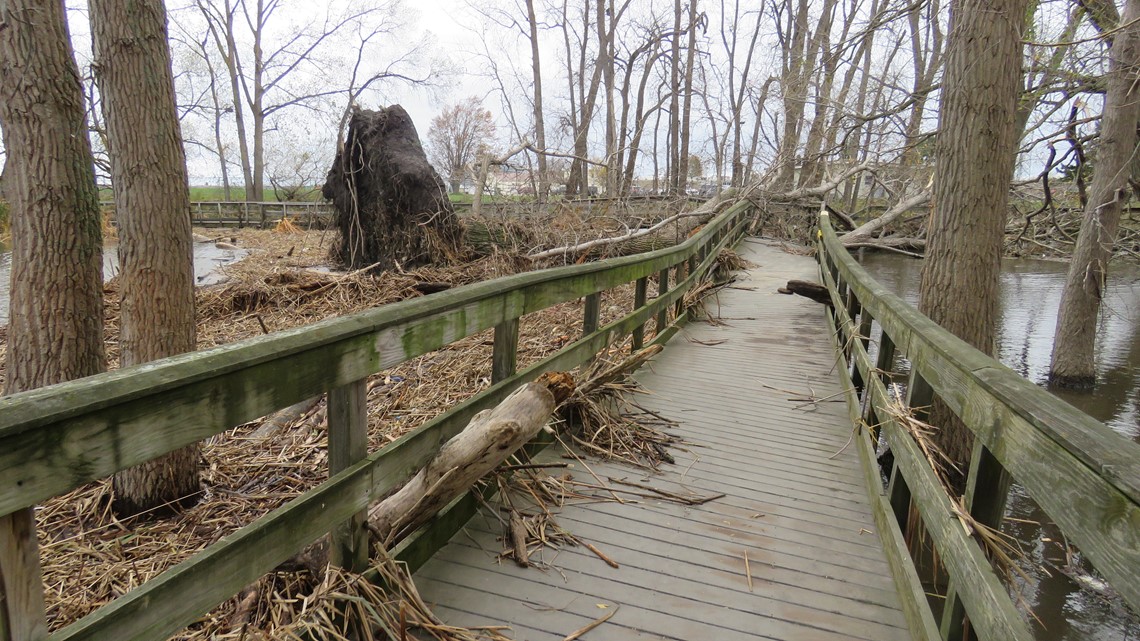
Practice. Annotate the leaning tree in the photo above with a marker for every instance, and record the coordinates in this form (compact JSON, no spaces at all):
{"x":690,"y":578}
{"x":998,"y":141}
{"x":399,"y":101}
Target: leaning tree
{"x":392,"y":206}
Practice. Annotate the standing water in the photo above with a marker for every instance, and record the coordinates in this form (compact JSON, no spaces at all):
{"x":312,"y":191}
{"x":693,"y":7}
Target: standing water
{"x":207,"y":259}
{"x":1069,"y":604}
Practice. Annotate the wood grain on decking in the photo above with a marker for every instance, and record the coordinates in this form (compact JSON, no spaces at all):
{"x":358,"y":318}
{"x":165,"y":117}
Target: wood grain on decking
{"x":742,"y":391}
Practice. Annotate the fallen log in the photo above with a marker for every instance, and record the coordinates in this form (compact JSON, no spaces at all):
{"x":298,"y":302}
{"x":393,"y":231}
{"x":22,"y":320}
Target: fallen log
{"x":488,"y":440}
{"x":665,"y":233}
{"x":868,"y":230}
{"x":279,"y":420}
{"x":807,"y":289}
{"x":490,"y":437}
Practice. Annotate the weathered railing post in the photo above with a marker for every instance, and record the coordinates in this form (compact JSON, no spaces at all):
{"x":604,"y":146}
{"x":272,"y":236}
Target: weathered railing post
{"x":640,"y":294}
{"x":348,"y":444}
{"x":919,"y":395}
{"x":884,"y":366}
{"x":22,"y":615}
{"x":662,"y":289}
{"x":987,"y":486}
{"x":678,"y":276}
{"x":504,"y":357}
{"x":590,"y":313}
{"x":863,"y":335}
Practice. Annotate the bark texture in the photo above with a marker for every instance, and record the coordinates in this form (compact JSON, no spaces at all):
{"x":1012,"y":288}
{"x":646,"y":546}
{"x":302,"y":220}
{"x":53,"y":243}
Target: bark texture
{"x":490,"y":437}
{"x":1073,"y":348}
{"x":148,"y":176}
{"x":392,"y":206}
{"x":975,"y":150}
{"x":55,"y":328}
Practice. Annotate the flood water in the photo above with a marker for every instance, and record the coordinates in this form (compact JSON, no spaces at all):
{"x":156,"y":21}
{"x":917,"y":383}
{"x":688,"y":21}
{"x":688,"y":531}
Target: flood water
{"x":207,"y":259}
{"x":1030,"y":298}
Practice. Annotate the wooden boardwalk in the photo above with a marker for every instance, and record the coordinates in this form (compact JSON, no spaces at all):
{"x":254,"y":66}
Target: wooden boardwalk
{"x":794,"y":501}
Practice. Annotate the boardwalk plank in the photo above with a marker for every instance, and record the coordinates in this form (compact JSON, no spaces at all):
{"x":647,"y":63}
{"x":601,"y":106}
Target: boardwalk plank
{"x":818,"y":569}
{"x":779,"y":568}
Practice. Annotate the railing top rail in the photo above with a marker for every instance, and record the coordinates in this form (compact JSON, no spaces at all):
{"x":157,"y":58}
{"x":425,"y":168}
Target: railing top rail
{"x":1114,"y":457}
{"x":1081,"y":472}
{"x":188,"y":590}
{"x":57,"y":437}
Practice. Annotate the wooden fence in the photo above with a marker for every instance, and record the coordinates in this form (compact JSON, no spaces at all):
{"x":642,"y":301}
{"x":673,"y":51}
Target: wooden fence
{"x":1085,"y":476}
{"x":59,"y":437}
{"x":255,"y":214}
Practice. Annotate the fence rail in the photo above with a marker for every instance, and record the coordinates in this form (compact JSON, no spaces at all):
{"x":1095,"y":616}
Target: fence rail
{"x":255,"y":214}
{"x":56,"y":438}
{"x":1085,"y":476}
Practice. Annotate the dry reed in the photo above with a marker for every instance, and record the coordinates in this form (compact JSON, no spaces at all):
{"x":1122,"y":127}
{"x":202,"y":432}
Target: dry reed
{"x":90,"y":557}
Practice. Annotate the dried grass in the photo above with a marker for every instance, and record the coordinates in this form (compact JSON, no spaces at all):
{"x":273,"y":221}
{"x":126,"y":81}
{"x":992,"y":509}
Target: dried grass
{"x":1003,"y":551}
{"x":381,"y":603}
{"x":90,"y":558}
{"x":608,"y":422}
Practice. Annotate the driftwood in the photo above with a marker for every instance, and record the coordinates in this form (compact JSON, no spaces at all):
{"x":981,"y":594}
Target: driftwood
{"x":517,"y":530}
{"x":278,"y":421}
{"x":668,"y":232}
{"x":864,"y":235}
{"x":807,"y":289}
{"x":490,"y":437}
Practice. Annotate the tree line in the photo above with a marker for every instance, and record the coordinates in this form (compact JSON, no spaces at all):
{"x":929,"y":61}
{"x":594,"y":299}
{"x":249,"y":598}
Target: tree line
{"x":786,"y":98}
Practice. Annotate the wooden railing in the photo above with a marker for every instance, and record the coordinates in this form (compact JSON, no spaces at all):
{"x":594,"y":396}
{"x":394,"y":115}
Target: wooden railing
{"x":255,"y":214}
{"x":1085,"y":476}
{"x":260,"y":214}
{"x":59,"y":437}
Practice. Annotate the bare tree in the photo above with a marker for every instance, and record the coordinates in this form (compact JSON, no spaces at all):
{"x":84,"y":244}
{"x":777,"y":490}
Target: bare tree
{"x":695,"y":19}
{"x":457,"y":135}
{"x":643,"y":55}
{"x":539,"y":125}
{"x":975,"y":149}
{"x":738,"y":82}
{"x":1073,"y":347}
{"x":55,"y":327}
{"x":220,"y":107}
{"x":583,"y":96}
{"x":148,"y":178}
{"x":277,"y":73}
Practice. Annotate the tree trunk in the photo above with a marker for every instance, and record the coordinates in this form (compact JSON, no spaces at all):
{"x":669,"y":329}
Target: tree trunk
{"x":392,"y":206}
{"x":55,"y":327}
{"x":976,"y":145}
{"x":256,"y":101}
{"x":793,"y":86}
{"x":687,"y":108}
{"x":222,"y":31}
{"x":606,"y":62}
{"x":152,"y":203}
{"x":672,"y":168}
{"x":539,"y":128}
{"x":218,"y":110}
{"x":1073,"y":348}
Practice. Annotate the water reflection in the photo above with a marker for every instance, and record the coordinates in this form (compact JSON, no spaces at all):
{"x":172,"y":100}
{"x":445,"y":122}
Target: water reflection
{"x":207,"y":259}
{"x":1030,"y":298}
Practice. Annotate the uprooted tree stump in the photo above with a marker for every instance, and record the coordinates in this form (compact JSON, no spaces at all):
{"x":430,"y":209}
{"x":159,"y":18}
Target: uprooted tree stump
{"x":392,"y":206}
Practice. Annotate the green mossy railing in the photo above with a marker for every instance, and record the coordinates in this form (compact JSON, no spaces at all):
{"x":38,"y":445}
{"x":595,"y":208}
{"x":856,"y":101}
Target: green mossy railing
{"x":59,"y":437}
{"x":1085,"y":476}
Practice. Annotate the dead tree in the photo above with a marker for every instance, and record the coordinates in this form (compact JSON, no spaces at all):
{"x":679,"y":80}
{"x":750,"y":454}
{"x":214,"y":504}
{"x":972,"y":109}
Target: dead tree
{"x":392,"y":206}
